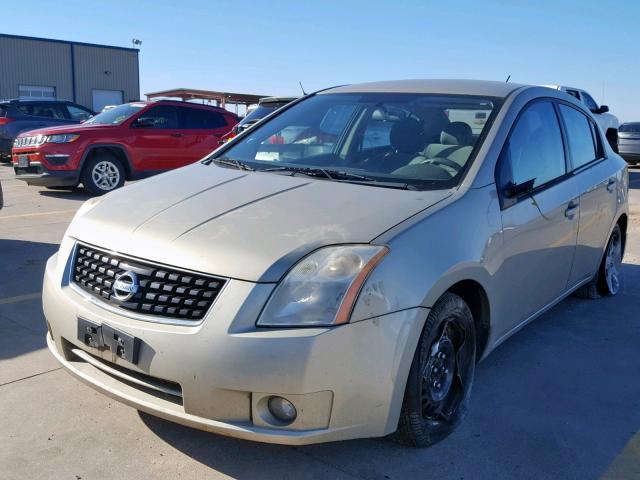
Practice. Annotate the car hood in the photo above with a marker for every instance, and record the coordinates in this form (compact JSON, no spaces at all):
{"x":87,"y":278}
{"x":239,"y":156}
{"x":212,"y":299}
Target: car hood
{"x":70,"y":128}
{"x":245,"y":225}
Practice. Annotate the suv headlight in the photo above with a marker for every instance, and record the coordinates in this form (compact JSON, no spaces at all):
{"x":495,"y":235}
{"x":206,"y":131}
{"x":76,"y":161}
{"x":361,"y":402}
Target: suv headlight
{"x":63,"y":138}
{"x":322,"y":288}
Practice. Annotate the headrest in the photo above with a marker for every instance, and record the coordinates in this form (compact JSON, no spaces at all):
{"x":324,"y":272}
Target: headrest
{"x":406,"y":136}
{"x":456,"y":133}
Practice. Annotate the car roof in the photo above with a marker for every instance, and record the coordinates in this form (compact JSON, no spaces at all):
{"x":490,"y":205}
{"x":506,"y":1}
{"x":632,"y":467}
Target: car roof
{"x":264,"y":100}
{"x":182,"y":103}
{"x":443,"y":86}
{"x":17,"y":100}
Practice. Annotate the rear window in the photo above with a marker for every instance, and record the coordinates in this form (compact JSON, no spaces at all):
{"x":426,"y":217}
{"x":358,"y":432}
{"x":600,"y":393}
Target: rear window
{"x":630,"y":128}
{"x":3,"y":111}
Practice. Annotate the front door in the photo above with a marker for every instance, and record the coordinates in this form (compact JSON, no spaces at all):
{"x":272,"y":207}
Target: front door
{"x":157,"y":142}
{"x":540,"y":211}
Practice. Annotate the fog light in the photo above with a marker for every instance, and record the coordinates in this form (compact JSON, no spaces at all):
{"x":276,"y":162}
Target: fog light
{"x":282,"y":409}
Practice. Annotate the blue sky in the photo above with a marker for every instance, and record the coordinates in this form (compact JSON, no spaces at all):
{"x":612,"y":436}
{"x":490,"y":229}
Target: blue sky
{"x":266,"y":47}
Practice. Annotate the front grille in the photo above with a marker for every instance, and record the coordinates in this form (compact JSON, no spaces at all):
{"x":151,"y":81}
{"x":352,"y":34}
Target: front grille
{"x":162,"y":292}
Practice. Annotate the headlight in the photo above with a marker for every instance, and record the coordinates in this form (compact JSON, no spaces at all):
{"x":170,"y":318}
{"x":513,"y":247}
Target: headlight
{"x":63,"y":138}
{"x":322,"y":288}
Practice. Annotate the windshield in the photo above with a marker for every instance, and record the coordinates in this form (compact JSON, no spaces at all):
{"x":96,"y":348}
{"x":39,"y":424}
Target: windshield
{"x":418,"y":140}
{"x":630,"y":128}
{"x":260,"y":112}
{"x":116,"y":115}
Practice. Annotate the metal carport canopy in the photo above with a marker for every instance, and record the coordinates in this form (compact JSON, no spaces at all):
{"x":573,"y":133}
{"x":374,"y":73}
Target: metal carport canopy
{"x":221,"y":97}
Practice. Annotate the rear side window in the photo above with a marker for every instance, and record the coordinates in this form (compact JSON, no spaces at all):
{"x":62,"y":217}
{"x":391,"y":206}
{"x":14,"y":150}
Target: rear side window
{"x":199,"y":118}
{"x":534,"y":150}
{"x":579,"y":136}
{"x":45,"y":110}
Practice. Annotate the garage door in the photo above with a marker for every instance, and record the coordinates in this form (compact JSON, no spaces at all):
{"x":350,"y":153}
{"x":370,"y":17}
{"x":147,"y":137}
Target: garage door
{"x":102,"y":98}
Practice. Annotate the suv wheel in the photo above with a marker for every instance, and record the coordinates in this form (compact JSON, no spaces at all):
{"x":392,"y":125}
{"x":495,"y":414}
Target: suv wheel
{"x":439,"y":383}
{"x":102,"y":174}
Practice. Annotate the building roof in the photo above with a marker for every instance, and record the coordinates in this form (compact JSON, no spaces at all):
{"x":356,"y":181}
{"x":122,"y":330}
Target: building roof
{"x":452,"y":87}
{"x":193,"y":94}
{"x":68,"y":42}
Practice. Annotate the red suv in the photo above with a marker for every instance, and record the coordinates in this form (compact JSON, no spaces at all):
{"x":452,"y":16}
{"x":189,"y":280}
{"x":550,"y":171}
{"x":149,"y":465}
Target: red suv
{"x":129,"y":141}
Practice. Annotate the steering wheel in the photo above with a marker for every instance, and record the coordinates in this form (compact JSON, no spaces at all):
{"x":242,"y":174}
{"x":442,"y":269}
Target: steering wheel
{"x":446,"y":162}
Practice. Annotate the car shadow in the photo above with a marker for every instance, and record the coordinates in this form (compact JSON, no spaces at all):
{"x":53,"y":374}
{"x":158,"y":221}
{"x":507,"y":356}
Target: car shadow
{"x":557,"y":400}
{"x":22,"y":324}
{"x":73,"y":193}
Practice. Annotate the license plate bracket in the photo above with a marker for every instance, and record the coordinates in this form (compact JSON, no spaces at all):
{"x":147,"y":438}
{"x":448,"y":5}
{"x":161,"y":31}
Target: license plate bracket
{"x":105,"y":337}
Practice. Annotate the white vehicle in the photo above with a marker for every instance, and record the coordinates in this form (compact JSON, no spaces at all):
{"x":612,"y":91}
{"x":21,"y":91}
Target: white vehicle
{"x":608,"y":122}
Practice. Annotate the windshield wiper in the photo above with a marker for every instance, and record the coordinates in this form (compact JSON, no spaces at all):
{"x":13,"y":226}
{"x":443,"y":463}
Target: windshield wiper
{"x":341,"y":176}
{"x":317,"y":171}
{"x":232,"y":162}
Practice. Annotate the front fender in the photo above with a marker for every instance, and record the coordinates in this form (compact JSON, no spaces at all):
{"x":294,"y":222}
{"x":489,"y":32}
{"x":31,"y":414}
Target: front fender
{"x":459,"y":241}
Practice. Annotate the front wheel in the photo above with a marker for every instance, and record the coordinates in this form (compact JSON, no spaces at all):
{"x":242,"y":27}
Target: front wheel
{"x":102,"y":174}
{"x":441,"y":375}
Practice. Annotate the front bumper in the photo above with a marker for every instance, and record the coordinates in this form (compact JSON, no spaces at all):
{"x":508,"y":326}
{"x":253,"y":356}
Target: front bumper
{"x":346,"y":382}
{"x":39,"y":175}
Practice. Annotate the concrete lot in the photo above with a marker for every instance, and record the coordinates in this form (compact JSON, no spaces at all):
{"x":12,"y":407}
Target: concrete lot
{"x":558,"y":400}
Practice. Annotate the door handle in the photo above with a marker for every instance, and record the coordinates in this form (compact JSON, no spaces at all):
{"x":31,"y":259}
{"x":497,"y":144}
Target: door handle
{"x":177,"y":135}
{"x":571,"y":209}
{"x":610,"y":184}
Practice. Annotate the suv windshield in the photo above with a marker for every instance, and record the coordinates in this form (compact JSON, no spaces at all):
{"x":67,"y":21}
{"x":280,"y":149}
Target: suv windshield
{"x":116,"y":115}
{"x":630,"y":128}
{"x":416,"y":140}
{"x":260,"y":112}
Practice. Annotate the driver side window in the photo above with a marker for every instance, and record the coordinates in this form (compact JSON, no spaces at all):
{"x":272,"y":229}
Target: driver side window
{"x":161,"y":117}
{"x":534,"y":150}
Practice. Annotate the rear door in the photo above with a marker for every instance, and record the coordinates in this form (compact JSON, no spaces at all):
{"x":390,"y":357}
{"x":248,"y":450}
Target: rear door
{"x":156,"y":141}
{"x":540,"y":225}
{"x":596,"y":181}
{"x":202,"y":129}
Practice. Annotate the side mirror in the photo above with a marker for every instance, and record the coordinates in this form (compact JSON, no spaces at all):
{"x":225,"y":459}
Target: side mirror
{"x":513,"y":190}
{"x":603,"y":109}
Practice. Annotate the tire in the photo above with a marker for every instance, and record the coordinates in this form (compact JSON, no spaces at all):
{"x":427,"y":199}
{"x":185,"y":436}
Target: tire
{"x":441,"y":375}
{"x":102,"y":174}
{"x":606,"y":281}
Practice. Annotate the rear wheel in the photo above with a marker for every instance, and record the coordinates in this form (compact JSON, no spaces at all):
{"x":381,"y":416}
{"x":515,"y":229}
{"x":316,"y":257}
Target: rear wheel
{"x":102,"y":174}
{"x":439,"y":383}
{"x":607,"y":280}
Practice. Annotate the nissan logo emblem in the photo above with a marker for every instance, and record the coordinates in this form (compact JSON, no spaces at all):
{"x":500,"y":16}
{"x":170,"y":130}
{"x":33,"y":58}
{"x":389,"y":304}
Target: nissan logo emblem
{"x":125,"y":286}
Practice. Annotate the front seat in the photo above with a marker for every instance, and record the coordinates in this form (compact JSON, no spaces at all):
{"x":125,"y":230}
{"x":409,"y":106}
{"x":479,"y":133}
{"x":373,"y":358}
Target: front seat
{"x":456,"y":144}
{"x":407,"y":140}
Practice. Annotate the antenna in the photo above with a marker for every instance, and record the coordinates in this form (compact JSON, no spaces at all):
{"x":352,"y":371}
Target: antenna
{"x":302,"y":88}
{"x":507,"y":80}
